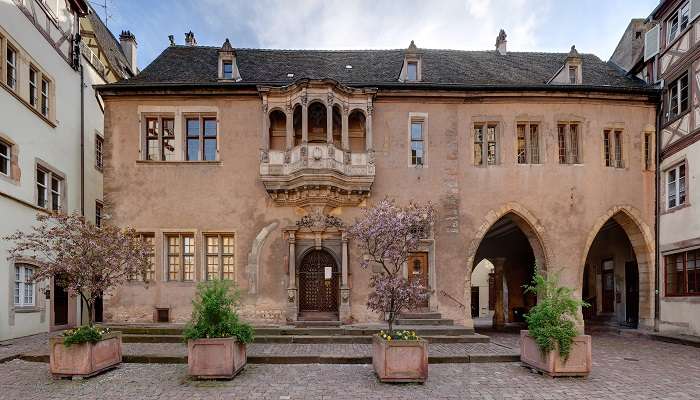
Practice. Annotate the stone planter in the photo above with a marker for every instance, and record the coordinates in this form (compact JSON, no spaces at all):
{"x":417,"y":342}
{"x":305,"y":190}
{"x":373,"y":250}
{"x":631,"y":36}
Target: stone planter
{"x":221,"y":358}
{"x":85,"y":359}
{"x":400,"y":360}
{"x":578,"y":363}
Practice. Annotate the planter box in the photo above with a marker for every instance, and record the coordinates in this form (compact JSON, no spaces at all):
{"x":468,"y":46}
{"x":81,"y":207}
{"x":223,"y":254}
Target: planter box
{"x":578,"y":363}
{"x":400,"y":360}
{"x":221,"y":358}
{"x":85,"y":359}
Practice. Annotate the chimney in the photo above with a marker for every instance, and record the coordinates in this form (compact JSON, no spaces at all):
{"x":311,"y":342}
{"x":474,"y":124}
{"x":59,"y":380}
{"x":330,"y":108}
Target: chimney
{"x":501,"y":42}
{"x":127,"y":41}
{"x":171,"y":39}
{"x":189,"y":39}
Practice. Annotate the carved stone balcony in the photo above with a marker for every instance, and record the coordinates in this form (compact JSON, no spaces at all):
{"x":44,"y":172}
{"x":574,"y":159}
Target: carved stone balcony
{"x":317,"y":174}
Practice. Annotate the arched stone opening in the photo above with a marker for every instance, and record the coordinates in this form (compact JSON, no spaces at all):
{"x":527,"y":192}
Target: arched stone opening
{"x":318,"y":122}
{"x":616,"y":275}
{"x":337,"y":125}
{"x":357,"y":131}
{"x":511,"y":240}
{"x":297,"y":124}
{"x":318,"y":279}
{"x":278,"y":130}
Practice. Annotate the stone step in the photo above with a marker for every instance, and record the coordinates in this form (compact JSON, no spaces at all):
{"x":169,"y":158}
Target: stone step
{"x":309,"y":339}
{"x":420,"y":315}
{"x":411,"y":321}
{"x":316,"y":324}
{"x":421,"y":328}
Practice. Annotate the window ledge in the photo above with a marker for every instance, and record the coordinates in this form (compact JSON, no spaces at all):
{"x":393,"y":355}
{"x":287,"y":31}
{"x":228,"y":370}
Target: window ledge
{"x":692,"y":298}
{"x":529,"y":164}
{"x":26,"y":309}
{"x":676,"y":208}
{"x":178,"y":162}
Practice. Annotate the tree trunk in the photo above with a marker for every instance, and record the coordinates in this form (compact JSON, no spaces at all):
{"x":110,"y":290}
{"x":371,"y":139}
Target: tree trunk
{"x":91,"y":317}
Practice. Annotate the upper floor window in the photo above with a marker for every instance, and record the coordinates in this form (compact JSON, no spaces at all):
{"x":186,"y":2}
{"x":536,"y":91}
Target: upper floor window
{"x":678,"y":96}
{"x":568,"y":139}
{"x":412,"y":71}
{"x":49,"y":187}
{"x":220,"y":256}
{"x":160,"y":138}
{"x":45,"y":87}
{"x":227,"y":69}
{"x":485,"y":144}
{"x":528,"y":142}
{"x":683,"y":274}
{"x":417,"y":143}
{"x":678,"y":21}
{"x":676,"y":183}
{"x":201,"y":138}
{"x":99,"y":144}
{"x":32,"y":87}
{"x":5,"y":158}
{"x":612,"y":148}
{"x":11,"y":60}
{"x":24,"y":287}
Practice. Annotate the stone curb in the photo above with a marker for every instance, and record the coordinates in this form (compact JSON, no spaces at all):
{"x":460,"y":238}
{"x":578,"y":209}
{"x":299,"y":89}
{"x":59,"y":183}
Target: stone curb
{"x":307,"y":339}
{"x":300,"y":359}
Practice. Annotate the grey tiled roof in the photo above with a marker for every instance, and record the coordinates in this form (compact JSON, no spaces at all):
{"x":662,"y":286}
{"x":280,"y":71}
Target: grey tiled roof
{"x":198,"y":66}
{"x":110,"y":47}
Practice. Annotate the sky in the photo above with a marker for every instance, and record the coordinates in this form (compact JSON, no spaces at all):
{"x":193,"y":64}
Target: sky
{"x":594,"y":26}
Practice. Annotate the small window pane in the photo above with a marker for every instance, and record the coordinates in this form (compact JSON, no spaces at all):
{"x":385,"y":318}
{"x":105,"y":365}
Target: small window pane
{"x":534,"y":145}
{"x":412,"y":71}
{"x":168,"y":139}
{"x":416,"y":131}
{"x":228,"y":69}
{"x":5,"y":158}
{"x":522,"y":145}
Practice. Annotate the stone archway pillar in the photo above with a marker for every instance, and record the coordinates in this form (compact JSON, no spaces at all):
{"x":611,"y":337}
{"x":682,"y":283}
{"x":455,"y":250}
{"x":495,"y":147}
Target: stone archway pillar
{"x":499,"y":320}
{"x":292,"y":308}
{"x":344,"y":288}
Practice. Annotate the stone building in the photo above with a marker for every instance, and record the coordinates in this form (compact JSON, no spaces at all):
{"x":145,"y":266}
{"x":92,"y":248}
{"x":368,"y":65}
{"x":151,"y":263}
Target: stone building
{"x":671,"y":54}
{"x":249,"y":164}
{"x":51,"y":138}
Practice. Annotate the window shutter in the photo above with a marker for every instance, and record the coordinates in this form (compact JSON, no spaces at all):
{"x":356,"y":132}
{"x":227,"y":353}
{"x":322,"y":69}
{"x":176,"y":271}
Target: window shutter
{"x":694,"y":9}
{"x":651,"y":41}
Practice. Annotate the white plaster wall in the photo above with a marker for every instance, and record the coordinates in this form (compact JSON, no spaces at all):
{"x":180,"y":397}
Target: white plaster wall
{"x":58,"y":146}
{"x":680,"y":315}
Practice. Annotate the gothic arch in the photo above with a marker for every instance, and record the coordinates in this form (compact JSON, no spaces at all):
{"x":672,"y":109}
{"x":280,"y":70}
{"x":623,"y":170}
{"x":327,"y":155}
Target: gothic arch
{"x":253,"y":267}
{"x":641,"y":239}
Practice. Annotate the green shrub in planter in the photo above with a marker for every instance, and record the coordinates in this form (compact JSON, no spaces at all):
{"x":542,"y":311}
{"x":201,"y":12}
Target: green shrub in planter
{"x":84,"y":334}
{"x":214,"y":314}
{"x":552,"y":321}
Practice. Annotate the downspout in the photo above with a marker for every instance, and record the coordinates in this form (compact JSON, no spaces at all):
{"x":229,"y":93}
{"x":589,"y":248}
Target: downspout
{"x":657,"y":214}
{"x":79,"y":66}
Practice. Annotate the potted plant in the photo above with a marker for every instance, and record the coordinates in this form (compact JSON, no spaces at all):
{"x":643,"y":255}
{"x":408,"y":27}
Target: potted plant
{"x":552,"y":344}
{"x":216,"y":338}
{"x":90,"y":261}
{"x":387,"y":234}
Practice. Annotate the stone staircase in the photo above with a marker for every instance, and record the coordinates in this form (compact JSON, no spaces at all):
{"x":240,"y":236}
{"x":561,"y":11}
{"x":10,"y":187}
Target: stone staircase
{"x":423,"y":318}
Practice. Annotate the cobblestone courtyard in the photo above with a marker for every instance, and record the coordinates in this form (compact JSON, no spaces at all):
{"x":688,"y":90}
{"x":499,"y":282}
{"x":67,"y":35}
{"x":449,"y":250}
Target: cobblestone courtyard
{"x":624,"y":368}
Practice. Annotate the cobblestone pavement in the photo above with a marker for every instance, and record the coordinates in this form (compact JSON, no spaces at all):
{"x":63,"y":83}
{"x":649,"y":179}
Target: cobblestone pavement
{"x":623,"y":368}
{"x":13,"y":347}
{"x":271,"y":349}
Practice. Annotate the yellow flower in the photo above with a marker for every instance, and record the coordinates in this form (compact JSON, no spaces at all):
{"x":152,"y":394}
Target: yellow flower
{"x":388,"y":338}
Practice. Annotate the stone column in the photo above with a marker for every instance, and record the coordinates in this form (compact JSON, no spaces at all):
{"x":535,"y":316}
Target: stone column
{"x":292,"y":310}
{"x":329,"y":123}
{"x":290,"y":128}
{"x":345,"y":142}
{"x":344,"y":288}
{"x":498,"y":314}
{"x":368,"y":129}
{"x":304,"y":121}
{"x":265,"y":133}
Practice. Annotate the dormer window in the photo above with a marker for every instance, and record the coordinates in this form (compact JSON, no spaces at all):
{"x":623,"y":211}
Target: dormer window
{"x":573,"y":74}
{"x":227,"y":69}
{"x":412,"y":71}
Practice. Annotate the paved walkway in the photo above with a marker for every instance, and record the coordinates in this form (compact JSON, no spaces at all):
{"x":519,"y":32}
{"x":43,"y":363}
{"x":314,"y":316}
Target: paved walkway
{"x":624,"y":368}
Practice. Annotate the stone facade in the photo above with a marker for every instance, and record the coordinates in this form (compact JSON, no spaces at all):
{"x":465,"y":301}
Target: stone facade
{"x":552,"y":208}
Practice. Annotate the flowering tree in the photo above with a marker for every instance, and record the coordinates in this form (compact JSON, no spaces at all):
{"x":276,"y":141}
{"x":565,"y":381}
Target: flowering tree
{"x":387,"y":233}
{"x":80,"y":256}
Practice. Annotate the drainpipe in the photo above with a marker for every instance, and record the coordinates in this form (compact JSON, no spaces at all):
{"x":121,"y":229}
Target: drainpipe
{"x":657,"y":215}
{"x":79,"y":66}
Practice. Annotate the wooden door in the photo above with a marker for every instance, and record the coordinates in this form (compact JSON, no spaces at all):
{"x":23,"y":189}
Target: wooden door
{"x":418,"y":271}
{"x":631,"y":294}
{"x":60,"y":305}
{"x":608,"y":276}
{"x":319,"y":283}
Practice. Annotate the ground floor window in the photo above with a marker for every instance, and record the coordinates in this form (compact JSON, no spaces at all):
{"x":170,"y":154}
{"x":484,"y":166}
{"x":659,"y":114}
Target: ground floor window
{"x":24,"y":289}
{"x":150,"y":241}
{"x":683,"y":274}
{"x":220,"y":256}
{"x":180,"y":258}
